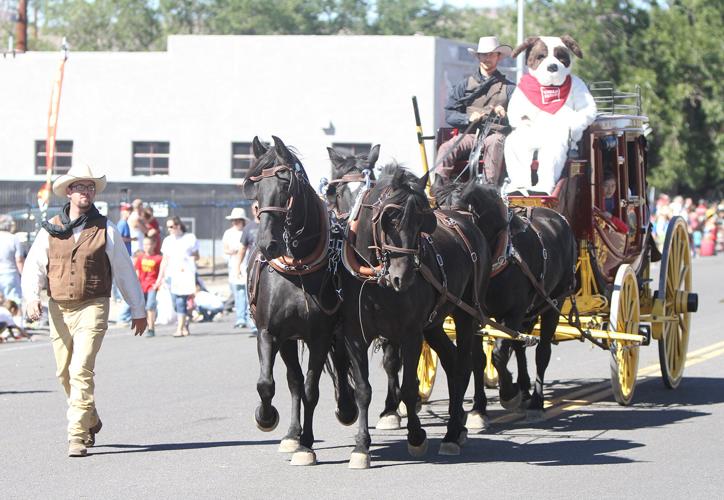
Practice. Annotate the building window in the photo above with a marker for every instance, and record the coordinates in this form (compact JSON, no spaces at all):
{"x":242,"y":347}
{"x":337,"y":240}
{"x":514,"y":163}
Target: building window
{"x":242,"y":156}
{"x":351,"y":148}
{"x":62,"y":161}
{"x":150,"y":158}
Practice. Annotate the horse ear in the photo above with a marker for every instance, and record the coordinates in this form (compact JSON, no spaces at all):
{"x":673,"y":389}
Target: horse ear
{"x":248,"y":190}
{"x":373,"y":156}
{"x":258,"y":148}
{"x":335,"y":157}
{"x":572,"y":45}
{"x":281,"y":149}
{"x":529,"y":42}
{"x":422,"y":182}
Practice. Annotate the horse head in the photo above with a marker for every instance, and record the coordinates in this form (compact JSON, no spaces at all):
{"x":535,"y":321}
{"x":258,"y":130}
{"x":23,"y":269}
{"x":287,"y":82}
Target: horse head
{"x":279,"y":184}
{"x":350,"y":174}
{"x":481,"y":200}
{"x":392,"y":224}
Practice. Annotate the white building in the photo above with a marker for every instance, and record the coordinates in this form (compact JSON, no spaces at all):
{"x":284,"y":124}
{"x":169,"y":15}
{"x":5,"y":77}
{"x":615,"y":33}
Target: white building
{"x":194,"y":106}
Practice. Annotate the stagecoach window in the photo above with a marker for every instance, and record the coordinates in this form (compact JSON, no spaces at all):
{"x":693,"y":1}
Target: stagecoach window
{"x":241,"y":157}
{"x":352,"y":148}
{"x":150,"y":158}
{"x":62,"y":161}
{"x":634,"y":161}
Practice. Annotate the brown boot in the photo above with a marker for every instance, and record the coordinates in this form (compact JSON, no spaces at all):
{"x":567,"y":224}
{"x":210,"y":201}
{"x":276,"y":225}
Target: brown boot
{"x":76,"y":448}
{"x":93,"y":431}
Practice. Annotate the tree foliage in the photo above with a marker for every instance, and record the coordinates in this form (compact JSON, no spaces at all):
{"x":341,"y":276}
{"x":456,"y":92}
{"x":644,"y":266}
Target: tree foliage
{"x":671,"y":48}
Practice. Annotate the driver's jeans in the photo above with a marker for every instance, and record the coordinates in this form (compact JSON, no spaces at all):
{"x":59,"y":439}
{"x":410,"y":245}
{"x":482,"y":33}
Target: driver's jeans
{"x":492,"y":156}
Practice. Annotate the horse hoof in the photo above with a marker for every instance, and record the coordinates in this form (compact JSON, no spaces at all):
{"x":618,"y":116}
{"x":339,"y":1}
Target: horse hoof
{"x":389,"y":422}
{"x":534,"y":416}
{"x":262,"y":426}
{"x":304,"y":456}
{"x":511,"y":404}
{"x":449,"y":449}
{"x":359,"y":460}
{"x":477,"y":420}
{"x":417,"y":451}
{"x":288,"y":446}
{"x":463,"y":437}
{"x":344,"y":420}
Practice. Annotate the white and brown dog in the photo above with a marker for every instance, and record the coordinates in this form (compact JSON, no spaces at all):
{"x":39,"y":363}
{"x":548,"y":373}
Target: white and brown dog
{"x":549,"y":110}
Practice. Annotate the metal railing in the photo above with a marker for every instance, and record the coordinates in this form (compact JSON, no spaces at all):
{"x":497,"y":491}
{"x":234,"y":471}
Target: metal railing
{"x":611,"y":101}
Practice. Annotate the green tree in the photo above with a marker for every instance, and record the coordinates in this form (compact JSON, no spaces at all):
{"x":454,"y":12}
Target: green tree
{"x":262,"y":17}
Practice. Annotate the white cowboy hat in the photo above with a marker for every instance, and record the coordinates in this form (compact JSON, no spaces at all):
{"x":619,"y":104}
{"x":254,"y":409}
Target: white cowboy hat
{"x":77,"y":173}
{"x":488,"y":44}
{"x":237,"y":213}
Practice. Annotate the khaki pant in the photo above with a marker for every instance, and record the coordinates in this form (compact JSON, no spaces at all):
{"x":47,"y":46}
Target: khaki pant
{"x":76,"y":332}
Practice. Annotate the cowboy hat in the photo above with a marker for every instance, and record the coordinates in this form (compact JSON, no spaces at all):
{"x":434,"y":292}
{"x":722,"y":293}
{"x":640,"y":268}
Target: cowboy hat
{"x":488,"y":44}
{"x":78,"y":173}
{"x":237,"y":213}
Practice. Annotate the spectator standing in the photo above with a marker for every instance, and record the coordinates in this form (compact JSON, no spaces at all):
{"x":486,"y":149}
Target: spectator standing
{"x":180,"y":252}
{"x":137,"y":225}
{"x":237,"y":275}
{"x":124,"y":314}
{"x":12,"y":258}
{"x":248,"y":243}
{"x":153,"y":230}
{"x":87,"y":255}
{"x":148,"y":266}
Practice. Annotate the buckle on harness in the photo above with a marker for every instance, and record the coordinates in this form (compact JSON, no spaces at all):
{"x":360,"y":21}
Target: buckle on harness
{"x":474,"y":256}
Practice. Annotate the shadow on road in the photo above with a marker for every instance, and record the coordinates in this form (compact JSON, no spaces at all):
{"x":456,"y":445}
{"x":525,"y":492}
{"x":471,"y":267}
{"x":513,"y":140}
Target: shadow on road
{"x":145,"y":448}
{"x":3,"y":393}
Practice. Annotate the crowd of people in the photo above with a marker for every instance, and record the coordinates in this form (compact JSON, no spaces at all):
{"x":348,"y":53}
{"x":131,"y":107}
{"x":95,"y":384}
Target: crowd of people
{"x":705,"y":221}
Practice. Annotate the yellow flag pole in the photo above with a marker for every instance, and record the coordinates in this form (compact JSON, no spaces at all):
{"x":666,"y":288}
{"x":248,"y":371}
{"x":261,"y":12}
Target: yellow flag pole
{"x":421,"y":140}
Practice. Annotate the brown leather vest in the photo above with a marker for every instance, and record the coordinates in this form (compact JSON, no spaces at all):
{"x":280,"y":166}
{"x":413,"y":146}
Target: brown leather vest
{"x":79,"y":270}
{"x":485,"y":104}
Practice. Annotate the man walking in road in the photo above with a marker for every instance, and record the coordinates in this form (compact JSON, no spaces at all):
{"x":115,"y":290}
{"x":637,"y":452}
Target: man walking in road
{"x":78,"y":254}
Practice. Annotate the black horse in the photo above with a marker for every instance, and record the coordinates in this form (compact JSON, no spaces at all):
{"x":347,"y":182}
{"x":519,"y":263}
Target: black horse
{"x":292,"y":294}
{"x":540,"y":241}
{"x":405,"y":270}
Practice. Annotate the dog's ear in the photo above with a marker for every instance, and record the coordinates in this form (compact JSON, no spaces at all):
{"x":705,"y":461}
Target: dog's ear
{"x":258,"y":148}
{"x":529,"y":42}
{"x":572,"y":45}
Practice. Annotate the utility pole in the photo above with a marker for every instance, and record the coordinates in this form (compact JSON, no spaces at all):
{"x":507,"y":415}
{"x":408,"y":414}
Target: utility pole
{"x":519,"y":60}
{"x":21,"y":27}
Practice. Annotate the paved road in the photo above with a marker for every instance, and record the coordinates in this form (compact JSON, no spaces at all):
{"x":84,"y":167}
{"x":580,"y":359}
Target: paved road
{"x":178,"y":422}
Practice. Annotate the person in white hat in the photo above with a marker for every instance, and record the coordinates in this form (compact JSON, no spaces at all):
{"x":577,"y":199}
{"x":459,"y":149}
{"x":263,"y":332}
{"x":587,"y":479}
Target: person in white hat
{"x":77,"y":255}
{"x":477,"y":97}
{"x":237,"y":278}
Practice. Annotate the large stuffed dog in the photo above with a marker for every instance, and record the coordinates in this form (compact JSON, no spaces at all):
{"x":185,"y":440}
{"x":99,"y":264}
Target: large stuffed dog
{"x":549,"y":110}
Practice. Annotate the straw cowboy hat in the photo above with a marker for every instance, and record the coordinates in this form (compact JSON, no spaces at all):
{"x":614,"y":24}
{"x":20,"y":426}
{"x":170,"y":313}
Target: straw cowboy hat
{"x":78,"y":173}
{"x":237,"y":214}
{"x":488,"y":44}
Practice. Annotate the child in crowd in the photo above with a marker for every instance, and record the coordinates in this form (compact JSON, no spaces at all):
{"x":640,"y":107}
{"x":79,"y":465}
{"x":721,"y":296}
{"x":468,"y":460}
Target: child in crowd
{"x":9,"y":327}
{"x":148,"y":265}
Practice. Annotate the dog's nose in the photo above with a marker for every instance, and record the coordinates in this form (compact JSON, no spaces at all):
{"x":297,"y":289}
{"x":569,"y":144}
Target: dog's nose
{"x":552,"y":68}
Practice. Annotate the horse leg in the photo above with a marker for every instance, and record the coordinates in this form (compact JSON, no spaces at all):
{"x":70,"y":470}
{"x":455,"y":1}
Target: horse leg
{"x":456,"y":432}
{"x":523,"y":379}
{"x":416,"y":436}
{"x":295,"y":381}
{"x":478,"y":416}
{"x":508,"y":390}
{"x":357,"y":349}
{"x":317,"y":353}
{"x":346,"y":411}
{"x":549,"y":323}
{"x":389,"y":418}
{"x":266,"y":416}
{"x":445,"y":350}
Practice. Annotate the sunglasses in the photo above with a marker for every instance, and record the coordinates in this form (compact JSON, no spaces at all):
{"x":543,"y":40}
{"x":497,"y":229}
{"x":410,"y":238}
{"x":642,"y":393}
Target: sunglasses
{"x":83,"y":188}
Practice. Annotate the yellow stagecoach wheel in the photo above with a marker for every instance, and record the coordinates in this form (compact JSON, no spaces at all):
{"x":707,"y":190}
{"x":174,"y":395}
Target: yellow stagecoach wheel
{"x":674,"y":291}
{"x":491,"y":374}
{"x":624,"y":318}
{"x":426,"y":371}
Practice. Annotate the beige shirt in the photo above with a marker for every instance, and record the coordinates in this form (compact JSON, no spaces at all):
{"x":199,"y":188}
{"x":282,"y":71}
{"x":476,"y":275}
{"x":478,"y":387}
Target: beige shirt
{"x":35,"y":272}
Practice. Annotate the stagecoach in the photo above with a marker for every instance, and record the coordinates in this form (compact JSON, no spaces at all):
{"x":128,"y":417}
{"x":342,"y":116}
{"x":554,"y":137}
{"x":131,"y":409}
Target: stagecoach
{"x":617,"y":305}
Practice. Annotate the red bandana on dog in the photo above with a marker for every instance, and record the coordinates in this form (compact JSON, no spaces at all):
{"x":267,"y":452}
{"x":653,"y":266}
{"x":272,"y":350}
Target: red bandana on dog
{"x":548,"y":98}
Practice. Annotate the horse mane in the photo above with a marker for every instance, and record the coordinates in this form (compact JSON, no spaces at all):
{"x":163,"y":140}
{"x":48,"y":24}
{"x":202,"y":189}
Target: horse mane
{"x":271,"y":159}
{"x":406,"y":190}
{"x":483,"y":200}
